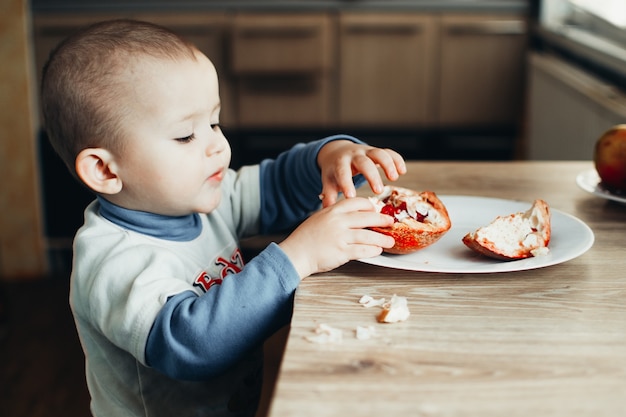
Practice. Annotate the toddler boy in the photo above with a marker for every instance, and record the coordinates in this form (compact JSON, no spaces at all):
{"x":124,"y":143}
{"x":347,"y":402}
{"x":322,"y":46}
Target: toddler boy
{"x":169,"y":317}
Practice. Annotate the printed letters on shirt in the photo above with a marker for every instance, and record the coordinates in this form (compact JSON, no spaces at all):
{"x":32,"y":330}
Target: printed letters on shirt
{"x":227,"y":267}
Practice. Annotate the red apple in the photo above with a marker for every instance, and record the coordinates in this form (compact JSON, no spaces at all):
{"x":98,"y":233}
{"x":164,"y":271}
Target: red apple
{"x":610,"y":159}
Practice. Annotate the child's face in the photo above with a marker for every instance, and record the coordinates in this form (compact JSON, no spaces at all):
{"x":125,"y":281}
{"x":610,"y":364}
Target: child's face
{"x":174,"y":155}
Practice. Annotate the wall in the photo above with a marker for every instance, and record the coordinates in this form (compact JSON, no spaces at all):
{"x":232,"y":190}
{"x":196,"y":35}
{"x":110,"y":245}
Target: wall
{"x":22,"y":253}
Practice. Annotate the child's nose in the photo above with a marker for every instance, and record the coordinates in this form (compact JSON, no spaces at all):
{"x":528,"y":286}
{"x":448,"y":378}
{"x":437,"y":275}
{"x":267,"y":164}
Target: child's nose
{"x":212,"y":149}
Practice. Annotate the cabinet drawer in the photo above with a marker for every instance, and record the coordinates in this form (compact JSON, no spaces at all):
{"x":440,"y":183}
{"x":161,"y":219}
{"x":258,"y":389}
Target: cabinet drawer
{"x":286,"y":101}
{"x":281,"y":43}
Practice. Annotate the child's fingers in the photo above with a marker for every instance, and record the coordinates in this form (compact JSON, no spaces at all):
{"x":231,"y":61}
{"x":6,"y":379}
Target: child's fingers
{"x":390,"y":161}
{"x":395,"y":166}
{"x":365,"y":251}
{"x":332,"y":186}
{"x":369,"y":237}
{"x":343,"y":177}
{"x":369,"y":169}
{"x":328,"y":197}
{"x":367,"y":164}
{"x":360,"y":214}
{"x":358,"y":204}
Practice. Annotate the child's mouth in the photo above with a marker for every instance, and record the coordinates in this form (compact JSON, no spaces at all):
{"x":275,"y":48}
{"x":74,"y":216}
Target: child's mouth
{"x":217,"y":176}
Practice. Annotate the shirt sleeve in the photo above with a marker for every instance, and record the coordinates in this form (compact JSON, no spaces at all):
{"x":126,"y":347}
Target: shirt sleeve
{"x":197,"y":337}
{"x":291,"y":184}
{"x":200,"y":336}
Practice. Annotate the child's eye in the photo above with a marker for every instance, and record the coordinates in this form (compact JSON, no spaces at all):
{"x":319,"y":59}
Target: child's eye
{"x":186,"y":139}
{"x":215,"y":126}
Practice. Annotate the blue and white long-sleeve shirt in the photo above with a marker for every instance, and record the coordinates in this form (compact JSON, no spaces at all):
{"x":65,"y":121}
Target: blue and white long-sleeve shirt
{"x":169,"y":317}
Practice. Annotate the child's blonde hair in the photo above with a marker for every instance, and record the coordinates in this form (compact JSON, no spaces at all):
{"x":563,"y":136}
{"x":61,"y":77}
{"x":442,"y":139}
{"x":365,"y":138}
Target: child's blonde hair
{"x":82,"y":82}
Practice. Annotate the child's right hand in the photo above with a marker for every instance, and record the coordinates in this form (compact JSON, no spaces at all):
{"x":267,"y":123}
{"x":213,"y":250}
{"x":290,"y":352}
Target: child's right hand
{"x":335,"y":235}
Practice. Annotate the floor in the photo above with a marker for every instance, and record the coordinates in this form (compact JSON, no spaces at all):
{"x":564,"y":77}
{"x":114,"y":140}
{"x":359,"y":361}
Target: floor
{"x":41,"y":361}
{"x":42,"y":371}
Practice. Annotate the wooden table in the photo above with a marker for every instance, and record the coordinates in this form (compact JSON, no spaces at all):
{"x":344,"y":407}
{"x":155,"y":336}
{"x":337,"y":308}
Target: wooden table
{"x":543,"y":342}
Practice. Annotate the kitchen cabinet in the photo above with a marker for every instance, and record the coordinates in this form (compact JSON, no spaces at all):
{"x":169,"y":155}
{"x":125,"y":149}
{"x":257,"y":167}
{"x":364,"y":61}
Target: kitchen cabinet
{"x":482,"y":70}
{"x":387,"y":68}
{"x":348,"y":69}
{"x":446,"y":71}
{"x":283,"y":68}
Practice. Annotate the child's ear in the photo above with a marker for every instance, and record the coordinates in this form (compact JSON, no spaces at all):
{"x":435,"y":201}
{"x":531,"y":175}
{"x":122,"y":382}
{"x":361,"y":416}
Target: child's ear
{"x":97,"y":169}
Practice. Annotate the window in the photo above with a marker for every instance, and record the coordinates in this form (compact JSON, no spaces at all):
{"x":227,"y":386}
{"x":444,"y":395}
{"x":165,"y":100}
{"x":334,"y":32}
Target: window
{"x":599,"y":25}
{"x":605,"y":19}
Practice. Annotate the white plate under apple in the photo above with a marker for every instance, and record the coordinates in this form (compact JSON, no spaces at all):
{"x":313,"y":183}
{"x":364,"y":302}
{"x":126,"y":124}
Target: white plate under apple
{"x":589,"y":181}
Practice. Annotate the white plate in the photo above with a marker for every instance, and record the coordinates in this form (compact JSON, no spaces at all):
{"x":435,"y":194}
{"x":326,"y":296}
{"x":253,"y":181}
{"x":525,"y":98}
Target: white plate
{"x":570,"y":239}
{"x":590,"y":182}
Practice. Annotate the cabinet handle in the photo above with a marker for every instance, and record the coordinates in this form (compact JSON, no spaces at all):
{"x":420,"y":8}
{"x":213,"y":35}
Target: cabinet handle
{"x":281,"y":33}
{"x":382,"y":29}
{"x":487,"y":28}
{"x":272,"y":85}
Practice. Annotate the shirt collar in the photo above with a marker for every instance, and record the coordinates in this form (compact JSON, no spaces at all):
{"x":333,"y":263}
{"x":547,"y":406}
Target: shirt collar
{"x":174,"y":228}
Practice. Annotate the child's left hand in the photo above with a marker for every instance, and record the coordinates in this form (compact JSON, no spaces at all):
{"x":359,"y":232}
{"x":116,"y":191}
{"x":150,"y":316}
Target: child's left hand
{"x":340,"y":160}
